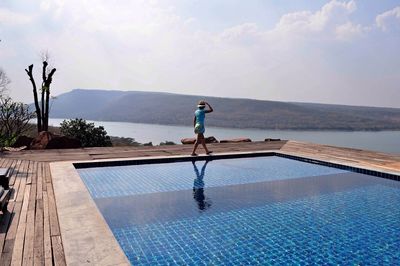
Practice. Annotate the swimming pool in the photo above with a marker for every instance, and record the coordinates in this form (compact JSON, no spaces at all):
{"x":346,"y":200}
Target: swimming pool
{"x":266,"y":210}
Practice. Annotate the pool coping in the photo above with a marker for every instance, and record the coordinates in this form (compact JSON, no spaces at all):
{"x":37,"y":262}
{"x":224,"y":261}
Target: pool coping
{"x":86,"y":236}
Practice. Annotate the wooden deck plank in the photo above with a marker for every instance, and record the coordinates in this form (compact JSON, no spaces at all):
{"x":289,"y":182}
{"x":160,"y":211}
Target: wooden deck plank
{"x":32,"y":198}
{"x":12,"y":230}
{"x":29,"y":172}
{"x":47,"y":174}
{"x":27,"y":258}
{"x":38,"y":248}
{"x":13,"y":175}
{"x":46,"y":231}
{"x":34,"y":173}
{"x":4,"y":224}
{"x":22,"y":176}
{"x":20,"y":236}
{"x":7,"y":163}
{"x":54,"y":226}
{"x":15,"y":189}
{"x":30,"y":226}
{"x":22,"y":186}
{"x":39,"y":183}
{"x":58,"y":251}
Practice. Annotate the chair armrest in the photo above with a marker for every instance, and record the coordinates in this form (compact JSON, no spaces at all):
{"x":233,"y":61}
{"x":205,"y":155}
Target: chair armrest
{"x":4,"y":200}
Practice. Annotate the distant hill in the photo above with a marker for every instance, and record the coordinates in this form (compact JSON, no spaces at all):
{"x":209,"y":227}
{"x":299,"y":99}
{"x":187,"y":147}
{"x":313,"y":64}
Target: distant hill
{"x":176,"y":109}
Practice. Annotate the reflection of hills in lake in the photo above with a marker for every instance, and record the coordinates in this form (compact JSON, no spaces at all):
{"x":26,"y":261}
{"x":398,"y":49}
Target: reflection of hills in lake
{"x":176,"y":109}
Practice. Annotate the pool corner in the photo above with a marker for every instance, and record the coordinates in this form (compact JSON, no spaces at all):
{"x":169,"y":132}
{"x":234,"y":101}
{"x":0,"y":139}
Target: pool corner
{"x":81,"y":224}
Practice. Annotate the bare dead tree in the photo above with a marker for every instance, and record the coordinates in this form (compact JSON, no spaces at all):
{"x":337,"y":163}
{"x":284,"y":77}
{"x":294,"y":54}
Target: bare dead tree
{"x":42,"y":112}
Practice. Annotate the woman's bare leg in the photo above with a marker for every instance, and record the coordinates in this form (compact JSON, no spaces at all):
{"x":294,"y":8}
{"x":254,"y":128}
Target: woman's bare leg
{"x":196,"y":143}
{"x":200,"y":139}
{"x":203,"y":142}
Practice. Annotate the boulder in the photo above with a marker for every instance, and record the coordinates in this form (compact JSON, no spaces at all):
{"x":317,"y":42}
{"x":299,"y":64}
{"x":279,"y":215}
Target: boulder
{"x":188,"y":141}
{"x":41,"y":141}
{"x":22,"y":141}
{"x":63,"y":142}
{"x":48,"y":140}
{"x":210,"y":139}
{"x":269,"y":139}
{"x":237,"y":140}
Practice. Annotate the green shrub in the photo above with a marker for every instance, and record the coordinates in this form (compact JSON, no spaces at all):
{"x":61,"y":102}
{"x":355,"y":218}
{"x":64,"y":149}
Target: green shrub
{"x":123,"y":141}
{"x":87,"y":133}
{"x":14,"y":120}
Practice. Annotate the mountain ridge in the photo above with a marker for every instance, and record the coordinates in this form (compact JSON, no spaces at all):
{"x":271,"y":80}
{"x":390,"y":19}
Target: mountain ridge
{"x":177,"y":109}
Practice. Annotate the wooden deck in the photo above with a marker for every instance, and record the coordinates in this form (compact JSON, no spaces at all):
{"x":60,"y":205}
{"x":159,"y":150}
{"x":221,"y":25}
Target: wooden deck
{"x":30,"y":232}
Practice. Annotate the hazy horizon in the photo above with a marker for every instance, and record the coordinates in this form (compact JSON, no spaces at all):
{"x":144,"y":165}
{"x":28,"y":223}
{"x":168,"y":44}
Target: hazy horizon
{"x":333,"y":52}
{"x":94,"y":89}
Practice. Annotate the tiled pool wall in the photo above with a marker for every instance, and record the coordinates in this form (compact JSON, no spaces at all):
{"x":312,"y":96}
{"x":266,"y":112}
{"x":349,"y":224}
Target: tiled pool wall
{"x":233,"y":156}
{"x":342,"y":166}
{"x":170,"y":159}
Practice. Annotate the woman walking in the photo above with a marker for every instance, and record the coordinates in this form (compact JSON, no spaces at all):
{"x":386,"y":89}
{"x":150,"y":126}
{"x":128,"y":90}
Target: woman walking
{"x":198,"y":123}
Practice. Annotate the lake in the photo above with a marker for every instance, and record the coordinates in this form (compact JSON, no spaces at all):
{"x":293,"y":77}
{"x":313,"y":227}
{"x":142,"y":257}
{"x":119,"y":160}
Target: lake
{"x":384,"y":141}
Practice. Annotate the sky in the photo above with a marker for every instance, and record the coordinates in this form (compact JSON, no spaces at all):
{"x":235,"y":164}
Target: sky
{"x":337,"y":52}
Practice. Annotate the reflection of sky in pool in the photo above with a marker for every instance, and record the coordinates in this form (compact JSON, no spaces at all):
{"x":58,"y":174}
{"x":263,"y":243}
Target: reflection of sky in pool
{"x":149,"y":178}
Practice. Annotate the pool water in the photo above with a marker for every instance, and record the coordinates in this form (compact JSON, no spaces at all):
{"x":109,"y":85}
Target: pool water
{"x":263,"y":210}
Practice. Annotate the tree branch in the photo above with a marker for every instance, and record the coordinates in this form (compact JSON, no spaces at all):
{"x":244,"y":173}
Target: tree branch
{"x":47,"y":86}
{"x":44,"y":79}
{"x":35,"y":97}
{"x":44,"y":71}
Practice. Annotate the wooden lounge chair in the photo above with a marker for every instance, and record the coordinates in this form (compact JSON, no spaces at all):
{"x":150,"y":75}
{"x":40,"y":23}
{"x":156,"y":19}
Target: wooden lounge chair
{"x":5,"y":174}
{"x":4,"y":197}
{"x":5,"y":191}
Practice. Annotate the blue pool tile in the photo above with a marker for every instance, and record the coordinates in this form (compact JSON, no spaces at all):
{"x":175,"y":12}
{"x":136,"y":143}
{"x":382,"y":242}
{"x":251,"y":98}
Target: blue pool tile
{"x":338,"y":228}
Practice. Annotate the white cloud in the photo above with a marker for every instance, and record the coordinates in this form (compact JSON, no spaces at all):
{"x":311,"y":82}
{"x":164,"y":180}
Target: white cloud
{"x":389,"y":19}
{"x":332,"y":22}
{"x":332,"y":13}
{"x":348,"y":31}
{"x":240,"y":30}
{"x":8,"y":17}
{"x":142,"y":45}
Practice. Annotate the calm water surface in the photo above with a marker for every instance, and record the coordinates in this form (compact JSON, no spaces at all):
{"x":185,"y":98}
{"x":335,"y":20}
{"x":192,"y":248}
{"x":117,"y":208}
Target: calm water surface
{"x":384,"y":141}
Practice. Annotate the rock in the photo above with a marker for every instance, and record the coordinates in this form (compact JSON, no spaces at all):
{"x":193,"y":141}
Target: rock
{"x":48,"y":140}
{"x":15,"y":149}
{"x":22,"y":141}
{"x":188,"y":141}
{"x":269,"y":139}
{"x":41,"y":141}
{"x":63,"y":142}
{"x":210,"y":139}
{"x":237,"y":140}
{"x":148,"y":144}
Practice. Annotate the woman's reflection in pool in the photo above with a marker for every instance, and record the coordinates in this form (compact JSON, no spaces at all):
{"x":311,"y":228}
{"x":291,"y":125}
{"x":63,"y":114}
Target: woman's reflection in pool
{"x":203,"y":203}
